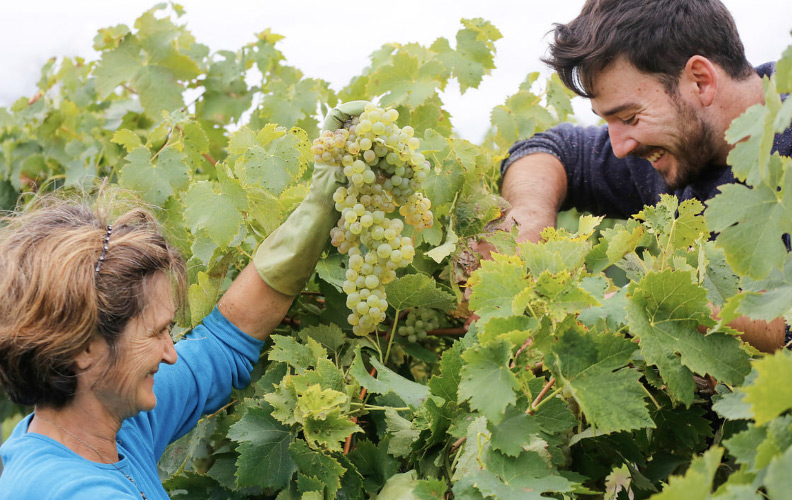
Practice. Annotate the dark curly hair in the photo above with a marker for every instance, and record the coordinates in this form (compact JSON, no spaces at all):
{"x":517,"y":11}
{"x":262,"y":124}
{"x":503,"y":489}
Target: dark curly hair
{"x":656,"y":36}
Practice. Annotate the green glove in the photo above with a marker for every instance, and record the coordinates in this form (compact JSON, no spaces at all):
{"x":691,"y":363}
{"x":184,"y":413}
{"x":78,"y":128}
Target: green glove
{"x":286,"y":259}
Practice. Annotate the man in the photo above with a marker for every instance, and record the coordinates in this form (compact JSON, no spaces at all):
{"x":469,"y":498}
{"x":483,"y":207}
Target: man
{"x":668,"y":77}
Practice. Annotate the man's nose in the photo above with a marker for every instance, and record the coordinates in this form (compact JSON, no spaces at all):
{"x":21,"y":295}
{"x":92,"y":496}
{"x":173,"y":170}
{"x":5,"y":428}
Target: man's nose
{"x":621,"y":140}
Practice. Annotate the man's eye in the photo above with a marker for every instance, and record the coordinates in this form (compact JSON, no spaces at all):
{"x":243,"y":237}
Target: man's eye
{"x":629,"y":121}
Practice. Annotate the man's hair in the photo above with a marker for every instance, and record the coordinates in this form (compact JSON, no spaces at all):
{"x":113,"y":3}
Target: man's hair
{"x":54,"y":303}
{"x":658,"y":37}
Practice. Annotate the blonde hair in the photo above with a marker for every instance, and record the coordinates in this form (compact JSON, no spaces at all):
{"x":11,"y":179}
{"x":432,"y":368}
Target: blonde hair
{"x":54,"y":303}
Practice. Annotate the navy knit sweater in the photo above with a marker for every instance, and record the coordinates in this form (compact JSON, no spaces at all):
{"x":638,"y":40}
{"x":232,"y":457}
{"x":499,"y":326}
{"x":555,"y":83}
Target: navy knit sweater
{"x":600,"y":183}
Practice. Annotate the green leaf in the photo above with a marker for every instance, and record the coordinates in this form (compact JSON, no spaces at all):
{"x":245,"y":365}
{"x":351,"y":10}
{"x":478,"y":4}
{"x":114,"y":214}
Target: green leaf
{"x":752,"y":134}
{"x":158,"y":89}
{"x":770,"y":395}
{"x":495,"y":285}
{"x":157,"y":182}
{"x":487,"y":380}
{"x":374,"y":463}
{"x":696,"y":484}
{"x":329,"y":432}
{"x":593,"y":368}
{"x":117,"y":66}
{"x":770,"y":297}
{"x":750,"y":222}
{"x":288,"y":350}
{"x":264,"y":444}
{"x":405,"y":81}
{"x":401,"y":432}
{"x":475,"y":445}
{"x":446,"y":382}
{"x":672,"y":230}
{"x":202,"y":295}
{"x":400,"y":487}
{"x":417,"y":290}
{"x":217,"y":208}
{"x":438,"y":254}
{"x":664,"y":310}
{"x":126,"y":138}
{"x":554,"y":416}
{"x":474,"y":54}
{"x":410,"y":392}
{"x":555,"y":254}
{"x":515,"y":432}
{"x":276,"y":161}
{"x":329,"y":336}
{"x":784,"y":71}
{"x":318,"y":464}
{"x":778,"y":480}
{"x":733,"y":406}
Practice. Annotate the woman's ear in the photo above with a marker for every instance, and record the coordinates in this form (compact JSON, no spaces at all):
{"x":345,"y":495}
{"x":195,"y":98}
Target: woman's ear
{"x":95,"y":351}
{"x":702,"y":77}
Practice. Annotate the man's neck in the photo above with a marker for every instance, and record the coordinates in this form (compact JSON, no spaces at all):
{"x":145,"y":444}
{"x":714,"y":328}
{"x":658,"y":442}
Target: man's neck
{"x":734,"y":98}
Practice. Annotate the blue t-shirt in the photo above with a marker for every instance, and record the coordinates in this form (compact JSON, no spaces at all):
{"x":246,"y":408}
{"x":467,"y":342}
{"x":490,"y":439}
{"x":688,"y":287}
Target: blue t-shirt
{"x":601,"y":183}
{"x":215,"y":356}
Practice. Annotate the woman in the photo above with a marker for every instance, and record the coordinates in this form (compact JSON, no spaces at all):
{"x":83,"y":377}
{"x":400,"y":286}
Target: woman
{"x":87,"y":304}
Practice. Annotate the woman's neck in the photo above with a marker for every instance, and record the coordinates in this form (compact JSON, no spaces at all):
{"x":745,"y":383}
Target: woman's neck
{"x":84,"y":428}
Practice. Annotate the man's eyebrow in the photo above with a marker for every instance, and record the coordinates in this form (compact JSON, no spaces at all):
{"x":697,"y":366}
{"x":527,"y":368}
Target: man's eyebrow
{"x":616,"y":110}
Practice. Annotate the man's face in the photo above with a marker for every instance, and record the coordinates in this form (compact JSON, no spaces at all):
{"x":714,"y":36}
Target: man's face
{"x":645,"y":121}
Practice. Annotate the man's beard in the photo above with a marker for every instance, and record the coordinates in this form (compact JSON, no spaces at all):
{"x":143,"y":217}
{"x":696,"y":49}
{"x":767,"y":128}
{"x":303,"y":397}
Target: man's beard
{"x":694,"y":150}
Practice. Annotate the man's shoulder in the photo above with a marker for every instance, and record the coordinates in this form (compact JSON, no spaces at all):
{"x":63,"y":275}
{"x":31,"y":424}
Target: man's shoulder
{"x":765,"y":69}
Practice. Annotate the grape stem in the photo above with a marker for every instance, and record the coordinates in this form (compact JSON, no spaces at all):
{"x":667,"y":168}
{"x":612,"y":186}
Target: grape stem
{"x":527,"y":343}
{"x":363,"y":391}
{"x":448,"y":331}
{"x":209,"y":158}
{"x":392,"y":335}
{"x":538,"y":401}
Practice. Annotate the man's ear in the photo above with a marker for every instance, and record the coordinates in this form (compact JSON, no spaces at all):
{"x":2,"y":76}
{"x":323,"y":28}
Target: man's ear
{"x":94,"y":352}
{"x":700,"y":78}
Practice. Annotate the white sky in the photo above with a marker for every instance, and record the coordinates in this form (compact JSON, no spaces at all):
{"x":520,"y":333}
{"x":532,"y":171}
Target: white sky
{"x":332,"y":39}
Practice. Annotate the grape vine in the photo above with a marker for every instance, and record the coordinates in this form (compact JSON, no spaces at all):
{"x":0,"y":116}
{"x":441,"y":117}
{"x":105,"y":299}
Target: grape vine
{"x":585,"y":373}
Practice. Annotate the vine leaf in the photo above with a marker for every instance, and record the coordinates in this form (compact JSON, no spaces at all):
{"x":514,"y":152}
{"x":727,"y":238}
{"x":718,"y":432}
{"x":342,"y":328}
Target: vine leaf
{"x":413,"y":394}
{"x":696,"y":484}
{"x":474,"y":54}
{"x":417,"y":290}
{"x":769,"y":395}
{"x":318,"y":464}
{"x":155,"y":181}
{"x":405,"y":81}
{"x":487,"y":380}
{"x":264,"y":444}
{"x":664,"y":310}
{"x":495,"y":285}
{"x":750,"y":222}
{"x":593,"y":368}
{"x":217,"y":208}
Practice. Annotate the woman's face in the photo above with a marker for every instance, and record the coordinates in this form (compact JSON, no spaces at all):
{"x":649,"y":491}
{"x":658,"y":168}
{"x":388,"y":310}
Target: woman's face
{"x":128,"y":386}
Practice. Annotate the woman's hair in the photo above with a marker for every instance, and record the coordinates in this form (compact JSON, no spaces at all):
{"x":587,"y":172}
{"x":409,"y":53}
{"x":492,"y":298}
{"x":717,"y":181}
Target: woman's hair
{"x":54,"y":303}
{"x":656,"y":36}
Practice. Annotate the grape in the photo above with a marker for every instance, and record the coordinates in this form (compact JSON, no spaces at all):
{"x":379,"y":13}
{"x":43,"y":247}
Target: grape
{"x":385,"y":170}
{"x":419,"y":321}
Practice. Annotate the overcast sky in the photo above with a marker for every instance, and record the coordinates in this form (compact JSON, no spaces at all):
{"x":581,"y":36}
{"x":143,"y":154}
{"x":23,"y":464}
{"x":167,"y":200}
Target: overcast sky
{"x":332,"y":39}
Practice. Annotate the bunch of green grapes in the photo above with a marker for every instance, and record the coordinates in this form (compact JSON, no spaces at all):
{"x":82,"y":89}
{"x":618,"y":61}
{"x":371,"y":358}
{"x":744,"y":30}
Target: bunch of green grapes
{"x":384,"y":170}
{"x":419,"y":321}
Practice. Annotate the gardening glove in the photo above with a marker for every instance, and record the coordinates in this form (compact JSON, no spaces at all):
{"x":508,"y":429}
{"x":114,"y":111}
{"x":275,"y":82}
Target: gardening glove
{"x":285,"y":260}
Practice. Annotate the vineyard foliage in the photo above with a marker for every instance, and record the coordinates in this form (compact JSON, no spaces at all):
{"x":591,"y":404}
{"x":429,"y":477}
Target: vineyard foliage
{"x":566,"y":385}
